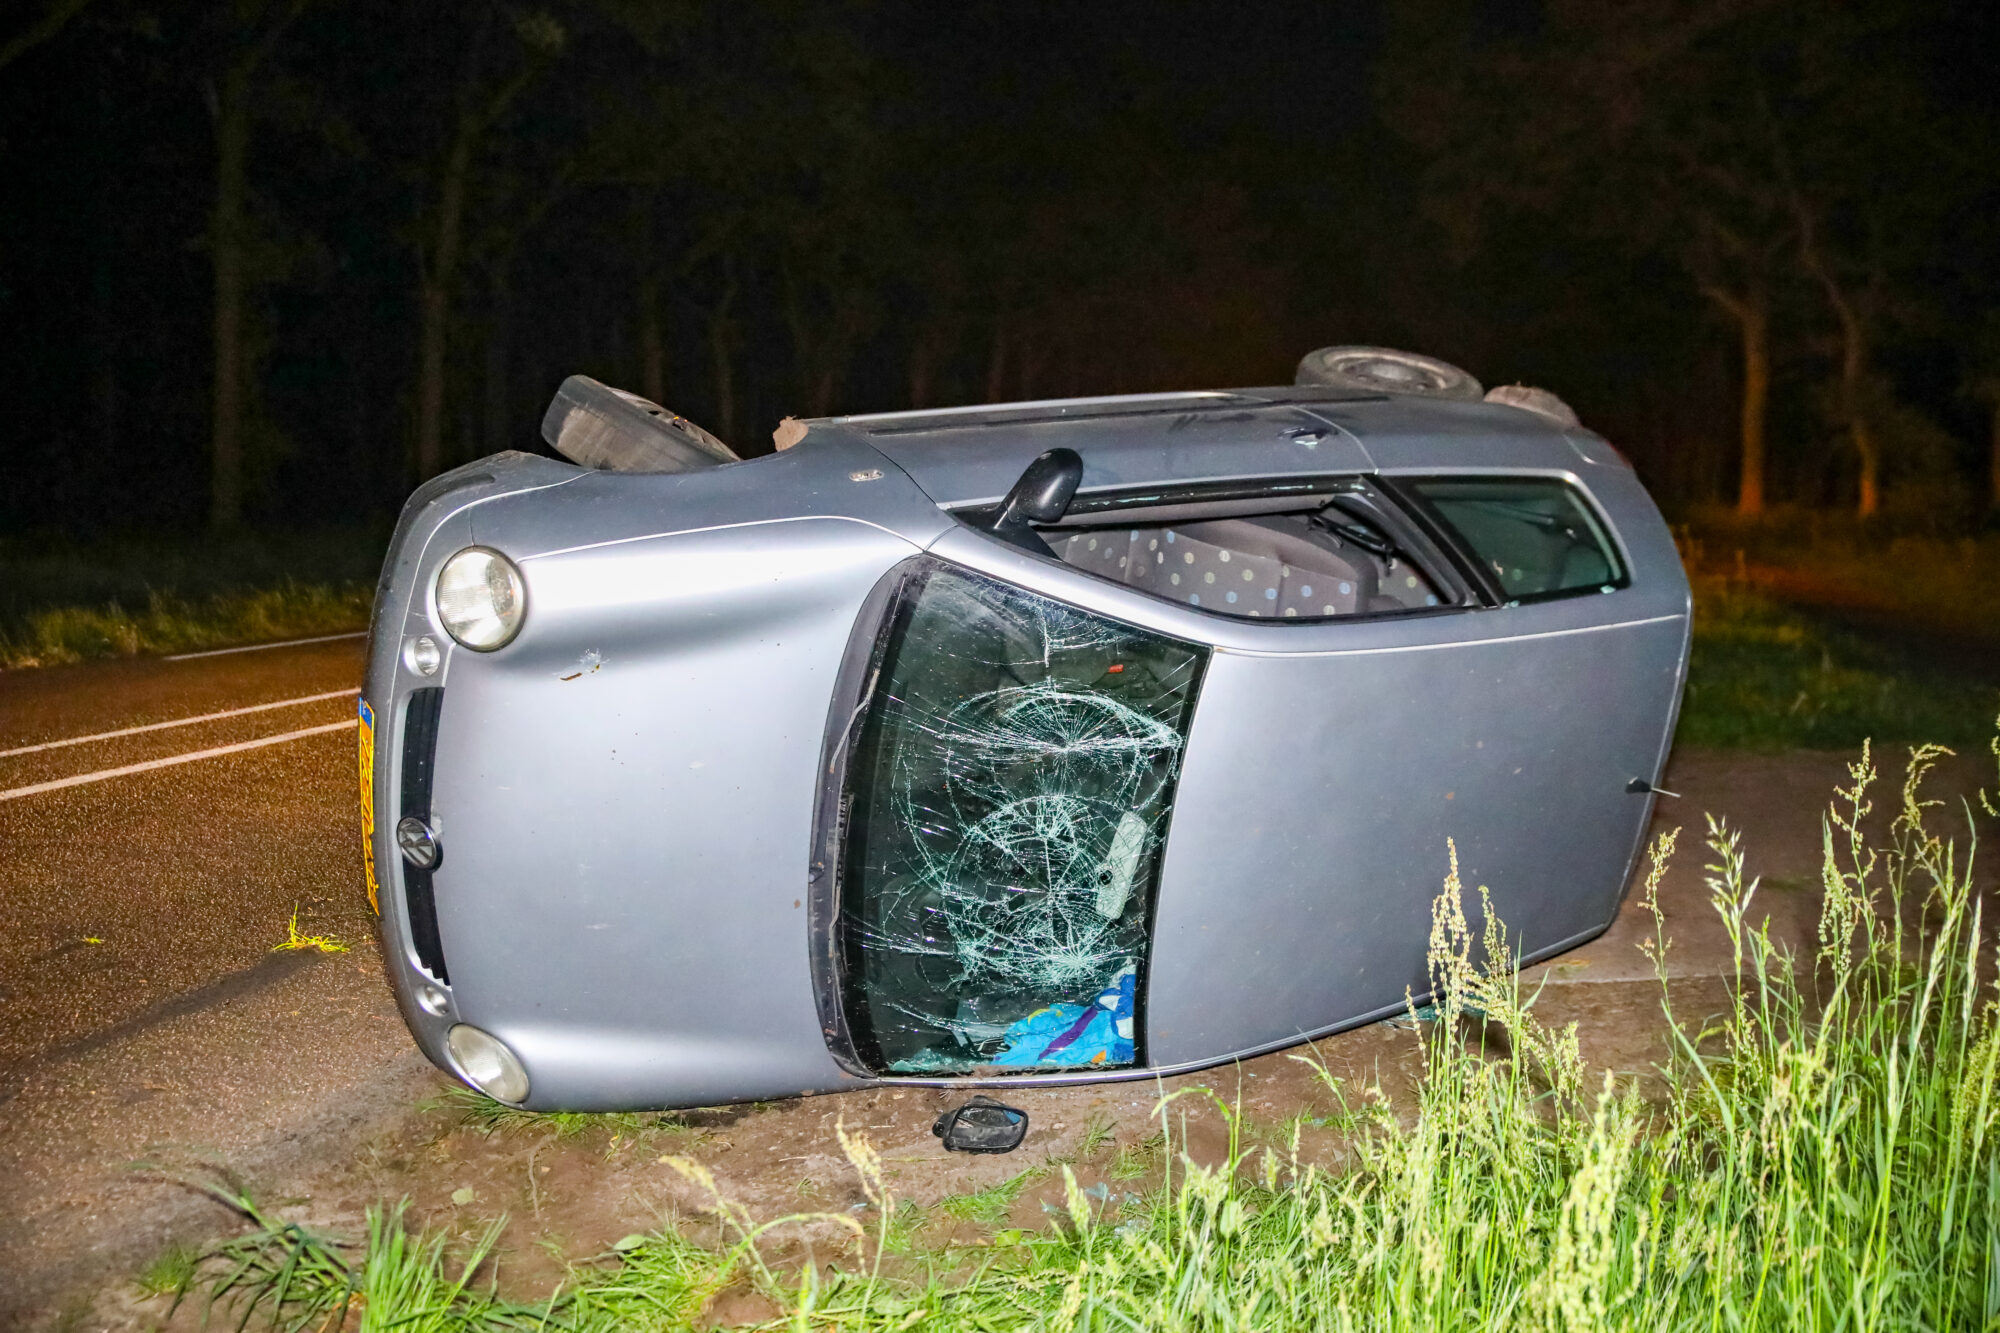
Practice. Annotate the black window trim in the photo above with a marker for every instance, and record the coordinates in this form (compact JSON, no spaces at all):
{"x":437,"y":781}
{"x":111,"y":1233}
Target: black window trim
{"x":1418,"y":506}
{"x":1438,"y":555}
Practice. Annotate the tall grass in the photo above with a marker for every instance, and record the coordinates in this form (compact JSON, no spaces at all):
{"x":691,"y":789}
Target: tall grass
{"x":66,"y":602}
{"x":169,"y":624}
{"x":1762,"y":676}
{"x":1819,"y":1155}
{"x":1947,"y":580}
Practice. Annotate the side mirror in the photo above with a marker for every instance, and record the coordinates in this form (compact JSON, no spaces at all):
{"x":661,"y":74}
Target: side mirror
{"x":1041,"y":495}
{"x":982,"y":1125}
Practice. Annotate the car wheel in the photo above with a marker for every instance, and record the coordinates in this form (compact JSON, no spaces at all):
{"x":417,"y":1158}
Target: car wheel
{"x":1386,"y":370}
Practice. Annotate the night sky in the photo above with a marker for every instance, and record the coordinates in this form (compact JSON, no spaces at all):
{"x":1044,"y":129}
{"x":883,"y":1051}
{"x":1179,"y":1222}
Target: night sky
{"x":756,"y":210}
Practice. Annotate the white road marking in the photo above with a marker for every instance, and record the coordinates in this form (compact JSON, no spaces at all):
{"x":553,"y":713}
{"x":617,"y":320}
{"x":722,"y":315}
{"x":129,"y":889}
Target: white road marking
{"x":177,"y":722}
{"x":171,"y":760}
{"x":260,"y":647}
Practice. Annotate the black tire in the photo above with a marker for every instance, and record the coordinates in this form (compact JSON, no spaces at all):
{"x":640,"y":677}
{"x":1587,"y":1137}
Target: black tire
{"x":1386,"y":370}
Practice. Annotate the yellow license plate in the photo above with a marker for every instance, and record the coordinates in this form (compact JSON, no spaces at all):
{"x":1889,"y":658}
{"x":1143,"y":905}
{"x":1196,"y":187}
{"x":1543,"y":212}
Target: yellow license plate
{"x":367,"y":735}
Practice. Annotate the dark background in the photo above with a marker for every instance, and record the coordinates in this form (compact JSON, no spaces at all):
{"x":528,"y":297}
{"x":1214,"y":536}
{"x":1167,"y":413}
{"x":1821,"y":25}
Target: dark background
{"x":750,"y":210}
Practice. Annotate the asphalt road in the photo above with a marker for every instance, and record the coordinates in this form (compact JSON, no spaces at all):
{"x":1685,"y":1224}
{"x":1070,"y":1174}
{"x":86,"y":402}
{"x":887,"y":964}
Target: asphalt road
{"x":144,"y":1015}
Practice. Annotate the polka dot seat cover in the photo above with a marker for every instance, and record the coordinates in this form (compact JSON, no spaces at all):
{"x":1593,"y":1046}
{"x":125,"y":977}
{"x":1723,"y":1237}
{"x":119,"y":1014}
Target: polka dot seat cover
{"x":1246,"y":567}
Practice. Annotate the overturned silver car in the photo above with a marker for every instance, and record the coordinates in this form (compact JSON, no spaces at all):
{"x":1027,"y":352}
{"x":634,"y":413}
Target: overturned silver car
{"x":1093,"y":738}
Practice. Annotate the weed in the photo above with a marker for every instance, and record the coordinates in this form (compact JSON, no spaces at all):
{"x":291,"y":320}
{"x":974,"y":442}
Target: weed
{"x":904,"y":1221}
{"x":168,"y":624}
{"x":1137,"y":1160}
{"x":60,"y":602}
{"x":475,"y":1110}
{"x":171,"y":1273}
{"x":294,"y":940}
{"x":989,"y":1205}
{"x":1097,"y":1131}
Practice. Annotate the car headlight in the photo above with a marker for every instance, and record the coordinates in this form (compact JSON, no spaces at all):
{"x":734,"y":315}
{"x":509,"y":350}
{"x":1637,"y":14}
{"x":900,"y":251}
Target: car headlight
{"x":484,"y":1061}
{"x":481,"y":599}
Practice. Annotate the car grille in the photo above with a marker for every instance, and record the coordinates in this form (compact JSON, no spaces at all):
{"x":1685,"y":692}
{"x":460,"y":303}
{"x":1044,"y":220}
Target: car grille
{"x":420,"y":730}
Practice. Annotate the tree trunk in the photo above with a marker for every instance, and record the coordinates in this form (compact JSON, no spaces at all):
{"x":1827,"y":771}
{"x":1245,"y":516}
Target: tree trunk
{"x":104,"y":312}
{"x":720,"y":335}
{"x":498,"y":396}
{"x":652,"y":341}
{"x":996,"y":362}
{"x":1854,"y":407}
{"x":434,"y":298}
{"x":226,"y":246}
{"x":1869,"y":449}
{"x":652,"y":336}
{"x":1853,"y":312}
{"x":1993,"y":497}
{"x":1755,"y":324}
{"x":923,"y":367}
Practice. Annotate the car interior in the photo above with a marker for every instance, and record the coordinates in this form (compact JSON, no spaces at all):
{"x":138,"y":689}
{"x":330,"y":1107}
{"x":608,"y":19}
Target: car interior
{"x":1279,"y":565}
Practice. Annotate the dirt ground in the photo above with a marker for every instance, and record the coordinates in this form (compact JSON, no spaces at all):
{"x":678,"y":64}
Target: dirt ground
{"x":570,"y":1197}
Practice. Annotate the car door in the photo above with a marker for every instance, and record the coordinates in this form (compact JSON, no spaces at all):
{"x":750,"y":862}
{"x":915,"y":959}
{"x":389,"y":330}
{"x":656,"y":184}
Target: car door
{"x":1292,"y":785}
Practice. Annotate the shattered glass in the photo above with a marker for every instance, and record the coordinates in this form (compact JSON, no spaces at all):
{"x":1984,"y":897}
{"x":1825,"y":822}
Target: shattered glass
{"x":1009,"y":797}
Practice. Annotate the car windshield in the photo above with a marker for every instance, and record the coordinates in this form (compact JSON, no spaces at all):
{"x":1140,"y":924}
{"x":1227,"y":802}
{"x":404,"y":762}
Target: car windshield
{"x":1009,"y":798}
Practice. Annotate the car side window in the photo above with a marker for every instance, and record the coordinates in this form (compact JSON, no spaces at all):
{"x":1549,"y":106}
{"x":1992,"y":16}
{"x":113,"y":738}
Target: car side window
{"x":1277,"y":566}
{"x":1288,"y":555}
{"x":1535,"y":535}
{"x":1007,"y":801}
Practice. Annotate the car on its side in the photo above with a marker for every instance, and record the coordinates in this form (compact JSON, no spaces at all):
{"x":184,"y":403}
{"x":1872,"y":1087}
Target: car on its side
{"x":1021,"y":743}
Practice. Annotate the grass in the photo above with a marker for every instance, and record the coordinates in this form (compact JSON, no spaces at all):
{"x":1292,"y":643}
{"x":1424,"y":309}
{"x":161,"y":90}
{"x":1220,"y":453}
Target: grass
{"x":169,"y":624}
{"x":991,"y":1205}
{"x":62,"y":602}
{"x":1136,"y":1161}
{"x":1823,"y":1153}
{"x":1949,"y":582}
{"x":1098,"y":1132}
{"x":475,"y":1110}
{"x":1763,"y":677}
{"x":169,"y":1274}
{"x":294,"y":940}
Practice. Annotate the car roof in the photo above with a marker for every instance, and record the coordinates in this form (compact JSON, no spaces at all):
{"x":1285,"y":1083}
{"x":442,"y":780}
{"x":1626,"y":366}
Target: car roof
{"x":971,"y":455}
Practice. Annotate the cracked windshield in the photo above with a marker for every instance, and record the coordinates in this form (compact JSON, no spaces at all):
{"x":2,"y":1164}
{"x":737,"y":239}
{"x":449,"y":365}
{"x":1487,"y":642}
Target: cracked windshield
{"x":1010,"y":797}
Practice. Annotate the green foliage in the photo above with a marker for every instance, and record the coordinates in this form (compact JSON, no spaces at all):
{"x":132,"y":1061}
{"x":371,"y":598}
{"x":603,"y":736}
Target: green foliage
{"x":170,"y":1274}
{"x":990,"y":1205}
{"x":475,"y":1110}
{"x":1824,"y":1153}
{"x":295,"y":1278}
{"x":1135,"y":1161}
{"x":60,"y":602}
{"x":1763,"y":677}
{"x":1097,"y":1132}
{"x":169,"y":624}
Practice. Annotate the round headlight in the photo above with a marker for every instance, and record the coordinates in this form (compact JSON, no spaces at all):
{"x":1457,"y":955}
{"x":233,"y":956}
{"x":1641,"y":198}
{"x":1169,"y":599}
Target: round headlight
{"x":481,"y":599}
{"x":487,"y":1064}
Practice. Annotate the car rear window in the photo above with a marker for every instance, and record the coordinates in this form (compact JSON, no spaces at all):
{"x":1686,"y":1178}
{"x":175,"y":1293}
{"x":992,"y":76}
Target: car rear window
{"x":1536,"y":536}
